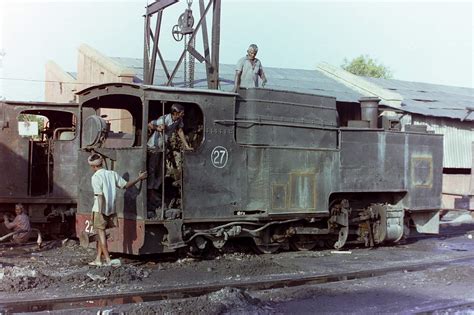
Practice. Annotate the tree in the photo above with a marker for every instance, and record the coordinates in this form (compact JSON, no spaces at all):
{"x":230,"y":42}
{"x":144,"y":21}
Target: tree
{"x":366,"y":66}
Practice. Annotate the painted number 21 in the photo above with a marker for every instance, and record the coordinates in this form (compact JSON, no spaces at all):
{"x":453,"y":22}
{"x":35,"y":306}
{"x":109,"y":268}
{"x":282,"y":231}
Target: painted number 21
{"x":89,"y":228}
{"x":219,"y":157}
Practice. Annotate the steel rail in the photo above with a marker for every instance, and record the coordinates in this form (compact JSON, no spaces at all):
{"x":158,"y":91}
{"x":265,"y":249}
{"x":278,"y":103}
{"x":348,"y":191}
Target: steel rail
{"x":453,"y":308}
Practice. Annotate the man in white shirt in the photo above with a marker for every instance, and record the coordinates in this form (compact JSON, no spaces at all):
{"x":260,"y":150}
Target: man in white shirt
{"x":104,"y":184}
{"x":248,"y":69}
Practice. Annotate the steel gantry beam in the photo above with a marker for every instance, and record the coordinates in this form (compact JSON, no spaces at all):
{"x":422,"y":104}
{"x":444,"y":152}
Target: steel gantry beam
{"x":210,"y":56}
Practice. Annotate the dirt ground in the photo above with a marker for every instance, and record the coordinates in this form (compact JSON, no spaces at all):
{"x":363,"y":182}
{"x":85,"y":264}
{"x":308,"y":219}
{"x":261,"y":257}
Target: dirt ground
{"x":62,"y":269}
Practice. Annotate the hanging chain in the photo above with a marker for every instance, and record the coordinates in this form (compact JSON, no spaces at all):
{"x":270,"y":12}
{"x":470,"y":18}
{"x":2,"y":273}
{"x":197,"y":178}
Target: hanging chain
{"x":191,"y":64}
{"x":189,"y":60}
{"x":185,"y":62}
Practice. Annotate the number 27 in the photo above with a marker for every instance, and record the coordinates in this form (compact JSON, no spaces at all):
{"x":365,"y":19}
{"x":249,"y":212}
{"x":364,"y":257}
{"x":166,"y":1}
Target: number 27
{"x":221,"y":154}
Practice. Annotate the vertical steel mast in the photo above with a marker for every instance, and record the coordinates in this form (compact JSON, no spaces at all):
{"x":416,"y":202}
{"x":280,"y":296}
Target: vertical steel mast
{"x":151,"y":49}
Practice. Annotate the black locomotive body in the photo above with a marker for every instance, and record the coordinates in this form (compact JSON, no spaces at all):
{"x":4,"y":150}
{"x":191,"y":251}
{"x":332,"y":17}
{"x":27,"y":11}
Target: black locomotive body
{"x":38,"y":145}
{"x":272,"y":166}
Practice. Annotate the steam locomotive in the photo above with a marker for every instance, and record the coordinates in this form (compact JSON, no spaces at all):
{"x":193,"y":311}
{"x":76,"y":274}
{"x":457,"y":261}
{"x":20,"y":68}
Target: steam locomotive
{"x":38,"y":157}
{"x":279,"y":168}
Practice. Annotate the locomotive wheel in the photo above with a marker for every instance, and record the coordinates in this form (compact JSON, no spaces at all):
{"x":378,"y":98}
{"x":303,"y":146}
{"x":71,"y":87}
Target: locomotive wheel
{"x":379,"y":227}
{"x":266,"y":248}
{"x":302,"y":243}
{"x":329,"y":244}
{"x":199,"y":248}
{"x":406,"y":228}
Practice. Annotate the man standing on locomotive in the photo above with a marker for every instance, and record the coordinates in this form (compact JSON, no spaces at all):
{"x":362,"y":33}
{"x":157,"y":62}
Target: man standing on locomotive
{"x":248,"y":69}
{"x":104,"y":184}
{"x":162,"y":129}
{"x":20,"y":225}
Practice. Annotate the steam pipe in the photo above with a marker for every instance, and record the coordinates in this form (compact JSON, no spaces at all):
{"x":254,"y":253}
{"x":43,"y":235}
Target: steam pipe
{"x":369,"y":109}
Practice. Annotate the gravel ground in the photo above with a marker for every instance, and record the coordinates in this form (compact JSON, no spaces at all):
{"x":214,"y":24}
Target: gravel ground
{"x":62,"y":270}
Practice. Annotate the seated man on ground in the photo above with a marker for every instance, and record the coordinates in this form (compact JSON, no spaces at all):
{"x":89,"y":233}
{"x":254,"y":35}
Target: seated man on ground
{"x":20,"y":225}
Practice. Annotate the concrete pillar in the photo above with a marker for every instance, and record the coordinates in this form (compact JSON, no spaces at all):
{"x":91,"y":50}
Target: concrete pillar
{"x":2,"y":92}
{"x":471,"y":192}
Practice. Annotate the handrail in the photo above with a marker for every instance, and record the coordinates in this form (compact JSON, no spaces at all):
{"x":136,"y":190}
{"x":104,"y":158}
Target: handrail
{"x":280,"y":123}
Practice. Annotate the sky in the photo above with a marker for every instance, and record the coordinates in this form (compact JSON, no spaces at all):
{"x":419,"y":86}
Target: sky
{"x":423,"y":41}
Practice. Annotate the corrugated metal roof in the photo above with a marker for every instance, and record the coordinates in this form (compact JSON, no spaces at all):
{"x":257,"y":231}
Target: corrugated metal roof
{"x":305,"y":81}
{"x":73,"y":74}
{"x":431,"y":99}
{"x":418,"y":98}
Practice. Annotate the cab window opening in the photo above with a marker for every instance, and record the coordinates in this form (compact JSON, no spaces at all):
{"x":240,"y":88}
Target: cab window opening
{"x":193,"y":120}
{"x":115,"y":123}
{"x":44,"y":125}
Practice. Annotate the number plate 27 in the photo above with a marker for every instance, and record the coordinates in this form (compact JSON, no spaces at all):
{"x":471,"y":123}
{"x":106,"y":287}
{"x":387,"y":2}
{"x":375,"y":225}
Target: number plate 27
{"x":219,"y":157}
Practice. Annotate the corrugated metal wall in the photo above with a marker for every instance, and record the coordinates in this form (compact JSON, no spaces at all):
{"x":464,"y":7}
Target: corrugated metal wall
{"x":458,"y":138}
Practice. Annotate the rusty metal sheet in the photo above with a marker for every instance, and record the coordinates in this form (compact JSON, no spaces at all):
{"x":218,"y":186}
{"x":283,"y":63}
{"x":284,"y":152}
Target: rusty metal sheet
{"x":127,"y":238}
{"x":408,"y":163}
{"x":217,"y":160}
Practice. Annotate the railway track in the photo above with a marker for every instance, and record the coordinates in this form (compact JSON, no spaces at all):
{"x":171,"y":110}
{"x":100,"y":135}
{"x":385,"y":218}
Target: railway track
{"x":169,"y":293}
{"x":455,"y":308}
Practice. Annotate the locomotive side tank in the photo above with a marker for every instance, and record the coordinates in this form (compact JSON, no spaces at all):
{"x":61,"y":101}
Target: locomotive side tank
{"x":272,"y":166}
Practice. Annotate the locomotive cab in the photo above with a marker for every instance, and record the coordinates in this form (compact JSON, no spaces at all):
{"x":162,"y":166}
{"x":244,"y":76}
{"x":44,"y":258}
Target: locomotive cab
{"x":49,"y":134}
{"x":117,"y":129}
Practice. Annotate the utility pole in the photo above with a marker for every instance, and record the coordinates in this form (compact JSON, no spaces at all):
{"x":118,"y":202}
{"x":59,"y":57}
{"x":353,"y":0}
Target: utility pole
{"x":2,"y":93}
